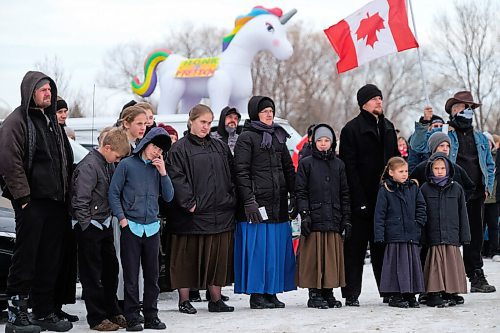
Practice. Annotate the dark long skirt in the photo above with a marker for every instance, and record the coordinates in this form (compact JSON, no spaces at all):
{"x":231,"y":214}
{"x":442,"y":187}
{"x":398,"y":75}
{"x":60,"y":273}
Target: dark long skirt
{"x":402,"y":269}
{"x":320,"y":261}
{"x":198,"y":261}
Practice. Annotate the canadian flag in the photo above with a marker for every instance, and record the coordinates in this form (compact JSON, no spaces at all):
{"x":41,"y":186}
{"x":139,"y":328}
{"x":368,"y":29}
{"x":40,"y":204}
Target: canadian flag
{"x":377,"y":29}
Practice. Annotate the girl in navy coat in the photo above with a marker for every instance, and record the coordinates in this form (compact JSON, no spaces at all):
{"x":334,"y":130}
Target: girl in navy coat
{"x":400,"y":215}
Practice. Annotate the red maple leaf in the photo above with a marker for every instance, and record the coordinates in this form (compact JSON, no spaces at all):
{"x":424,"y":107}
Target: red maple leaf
{"x":368,"y":27}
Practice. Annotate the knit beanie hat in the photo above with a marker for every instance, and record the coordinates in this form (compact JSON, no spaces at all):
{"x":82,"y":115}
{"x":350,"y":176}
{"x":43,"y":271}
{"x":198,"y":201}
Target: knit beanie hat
{"x":170,"y":130}
{"x":61,"y":104}
{"x":366,"y":93}
{"x":323,"y":131}
{"x":263,"y":102}
{"x":436,"y":139}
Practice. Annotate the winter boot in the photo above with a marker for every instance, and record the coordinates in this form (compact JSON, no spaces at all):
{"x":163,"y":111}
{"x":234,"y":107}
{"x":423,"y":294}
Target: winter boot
{"x":412,"y":301}
{"x":397,"y":301}
{"x":18,"y":316}
{"x":453,"y":299}
{"x":479,"y":284}
{"x":436,"y":300}
{"x":273,"y":299}
{"x":316,"y":300}
{"x":258,"y":301}
{"x":52,"y":322}
{"x":351,"y":301}
{"x":219,"y":306}
{"x":327,"y":294}
{"x":194,"y":295}
{"x":422,"y":298}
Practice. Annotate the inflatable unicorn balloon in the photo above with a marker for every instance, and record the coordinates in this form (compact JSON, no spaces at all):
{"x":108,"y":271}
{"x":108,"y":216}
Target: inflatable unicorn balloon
{"x":230,"y":83}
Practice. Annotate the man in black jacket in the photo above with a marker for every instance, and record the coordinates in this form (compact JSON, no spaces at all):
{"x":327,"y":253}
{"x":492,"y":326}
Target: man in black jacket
{"x":367,"y":142}
{"x":227,"y":127}
{"x":35,"y":162}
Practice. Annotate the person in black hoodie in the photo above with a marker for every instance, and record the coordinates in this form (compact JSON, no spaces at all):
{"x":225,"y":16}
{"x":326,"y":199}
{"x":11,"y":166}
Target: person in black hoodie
{"x":228,"y":126}
{"x":367,"y":142}
{"x":399,"y":219}
{"x":323,"y":202}
{"x":447,"y":228}
{"x":201,"y":218}
{"x":307,"y":147}
{"x":35,"y":163}
{"x":264,"y":258}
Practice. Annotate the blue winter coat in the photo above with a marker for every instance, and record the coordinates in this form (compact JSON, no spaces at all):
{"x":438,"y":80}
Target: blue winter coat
{"x":400,"y":212}
{"x":135,"y":186}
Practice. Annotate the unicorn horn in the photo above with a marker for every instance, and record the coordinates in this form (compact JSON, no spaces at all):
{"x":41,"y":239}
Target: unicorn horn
{"x":287,"y":16}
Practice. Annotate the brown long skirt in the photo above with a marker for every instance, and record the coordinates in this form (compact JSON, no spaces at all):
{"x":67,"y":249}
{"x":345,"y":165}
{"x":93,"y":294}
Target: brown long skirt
{"x":320,"y":261}
{"x":198,"y":261}
{"x":444,"y":270}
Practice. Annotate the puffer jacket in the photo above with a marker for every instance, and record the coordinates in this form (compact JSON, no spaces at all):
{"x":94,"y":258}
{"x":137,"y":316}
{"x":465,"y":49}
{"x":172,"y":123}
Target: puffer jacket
{"x":400,"y":212}
{"x":265,"y":176}
{"x":321,"y":189}
{"x":201,"y":171}
{"x":447,"y":221}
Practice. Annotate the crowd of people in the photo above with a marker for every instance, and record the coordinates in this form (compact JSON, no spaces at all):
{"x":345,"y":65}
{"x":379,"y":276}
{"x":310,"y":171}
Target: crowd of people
{"x":227,"y":198}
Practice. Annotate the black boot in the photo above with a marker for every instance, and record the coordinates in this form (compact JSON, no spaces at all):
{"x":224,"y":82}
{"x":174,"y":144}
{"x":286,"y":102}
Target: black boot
{"x":52,"y":322}
{"x":436,"y":300}
{"x":479,"y":284}
{"x":194,"y":295}
{"x":316,"y":300}
{"x":351,"y":301}
{"x":273,"y":299}
{"x":397,"y":301}
{"x":219,"y":306}
{"x":412,"y":301}
{"x":258,"y":301}
{"x":18,"y":316}
{"x":66,"y":316}
{"x":330,"y":299}
{"x":422,"y":298}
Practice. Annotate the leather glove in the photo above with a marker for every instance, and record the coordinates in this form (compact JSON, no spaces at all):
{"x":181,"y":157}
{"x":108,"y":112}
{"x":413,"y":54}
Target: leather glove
{"x":252,"y":213}
{"x":293,"y":211}
{"x":305,"y":225}
{"x":346,"y":233}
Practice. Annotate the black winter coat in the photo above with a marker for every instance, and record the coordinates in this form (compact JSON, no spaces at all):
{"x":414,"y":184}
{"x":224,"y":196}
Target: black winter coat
{"x":321,"y":190}
{"x":447,"y":221}
{"x":400,"y":213}
{"x":365,"y":153}
{"x":263,"y":175}
{"x":460,"y":176}
{"x":201,"y":172}
{"x":36,"y":159}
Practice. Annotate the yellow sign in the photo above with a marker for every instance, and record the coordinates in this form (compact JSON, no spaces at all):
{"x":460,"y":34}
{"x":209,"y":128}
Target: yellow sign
{"x":197,"y":67}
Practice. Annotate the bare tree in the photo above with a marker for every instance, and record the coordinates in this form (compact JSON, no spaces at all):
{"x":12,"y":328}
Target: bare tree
{"x":469,"y":57}
{"x":53,"y":67}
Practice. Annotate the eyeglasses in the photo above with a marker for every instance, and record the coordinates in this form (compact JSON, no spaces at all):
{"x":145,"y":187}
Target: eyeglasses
{"x":267,"y":111}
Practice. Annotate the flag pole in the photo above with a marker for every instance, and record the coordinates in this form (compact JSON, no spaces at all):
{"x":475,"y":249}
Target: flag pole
{"x":424,"y":85}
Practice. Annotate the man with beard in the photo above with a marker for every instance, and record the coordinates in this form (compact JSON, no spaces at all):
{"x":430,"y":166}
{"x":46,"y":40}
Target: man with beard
{"x":35,"y":162}
{"x":228,"y":124}
{"x":367,"y":142}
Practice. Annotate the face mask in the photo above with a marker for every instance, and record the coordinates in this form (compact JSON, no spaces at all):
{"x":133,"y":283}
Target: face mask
{"x":463,"y":119}
{"x":467,"y":113}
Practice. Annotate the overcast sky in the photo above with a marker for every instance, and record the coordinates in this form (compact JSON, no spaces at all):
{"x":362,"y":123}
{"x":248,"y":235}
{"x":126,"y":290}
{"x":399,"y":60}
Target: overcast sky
{"x":80,"y":32}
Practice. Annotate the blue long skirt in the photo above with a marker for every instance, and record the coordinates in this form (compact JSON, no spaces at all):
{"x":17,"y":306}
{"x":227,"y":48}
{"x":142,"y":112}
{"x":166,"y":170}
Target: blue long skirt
{"x":264,"y":261}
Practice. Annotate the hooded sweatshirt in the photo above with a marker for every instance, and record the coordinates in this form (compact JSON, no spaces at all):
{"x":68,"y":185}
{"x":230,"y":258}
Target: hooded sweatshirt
{"x":135,"y":186}
{"x":35,"y":154}
{"x":222,"y":133}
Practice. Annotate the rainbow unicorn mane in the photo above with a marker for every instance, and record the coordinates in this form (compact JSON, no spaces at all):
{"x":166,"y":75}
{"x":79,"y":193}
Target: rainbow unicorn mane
{"x":146,"y":88}
{"x":243,"y":19}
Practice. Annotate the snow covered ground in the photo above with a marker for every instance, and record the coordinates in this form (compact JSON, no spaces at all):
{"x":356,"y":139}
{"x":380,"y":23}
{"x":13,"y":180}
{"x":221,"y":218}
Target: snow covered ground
{"x":480,"y":313}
